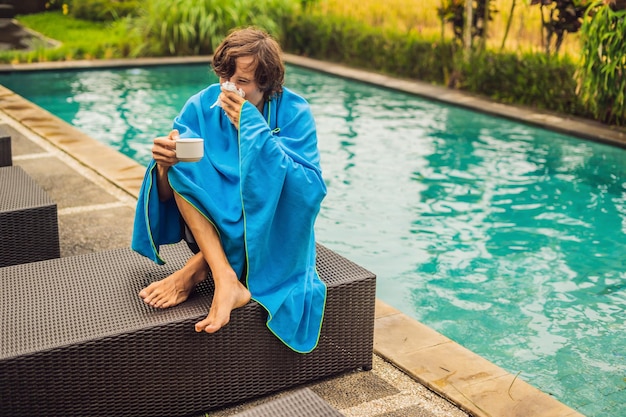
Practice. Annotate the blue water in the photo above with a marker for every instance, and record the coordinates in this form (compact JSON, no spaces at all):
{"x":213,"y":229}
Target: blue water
{"x":509,"y":239}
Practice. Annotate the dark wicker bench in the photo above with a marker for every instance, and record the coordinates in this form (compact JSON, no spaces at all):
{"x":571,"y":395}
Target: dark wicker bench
{"x":28,"y":219}
{"x":300,"y":403}
{"x":76,"y":339}
{"x":6,"y":154}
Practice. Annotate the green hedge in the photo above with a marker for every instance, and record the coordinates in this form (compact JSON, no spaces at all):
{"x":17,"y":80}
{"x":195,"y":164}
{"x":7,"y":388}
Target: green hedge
{"x":192,"y":27}
{"x":103,"y":10}
{"x":356,"y":44}
{"x":530,"y":79}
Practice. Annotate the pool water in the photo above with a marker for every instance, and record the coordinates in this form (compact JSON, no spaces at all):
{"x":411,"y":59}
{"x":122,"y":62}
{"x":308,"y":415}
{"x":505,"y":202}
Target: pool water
{"x":508,"y":239}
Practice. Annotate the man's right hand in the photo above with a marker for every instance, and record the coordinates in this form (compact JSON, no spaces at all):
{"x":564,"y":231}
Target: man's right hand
{"x":164,"y":153}
{"x":164,"y":150}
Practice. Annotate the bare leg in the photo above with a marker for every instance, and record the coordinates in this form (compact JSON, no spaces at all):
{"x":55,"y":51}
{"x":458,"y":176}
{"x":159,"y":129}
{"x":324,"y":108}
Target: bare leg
{"x":230,"y":293}
{"x":176,"y":288}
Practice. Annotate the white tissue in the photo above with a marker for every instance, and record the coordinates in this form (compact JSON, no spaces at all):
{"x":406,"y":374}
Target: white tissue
{"x":228,"y":86}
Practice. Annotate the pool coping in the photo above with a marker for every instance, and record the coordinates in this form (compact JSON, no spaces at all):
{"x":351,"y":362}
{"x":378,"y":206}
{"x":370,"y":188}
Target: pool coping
{"x":464,"y":378}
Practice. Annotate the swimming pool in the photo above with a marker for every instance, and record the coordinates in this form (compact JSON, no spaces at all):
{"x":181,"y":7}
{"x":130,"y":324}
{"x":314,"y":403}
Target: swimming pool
{"x":506,"y":238}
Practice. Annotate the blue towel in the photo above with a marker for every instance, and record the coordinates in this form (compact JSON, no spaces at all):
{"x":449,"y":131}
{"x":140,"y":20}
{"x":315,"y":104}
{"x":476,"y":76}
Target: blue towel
{"x":262,"y":188}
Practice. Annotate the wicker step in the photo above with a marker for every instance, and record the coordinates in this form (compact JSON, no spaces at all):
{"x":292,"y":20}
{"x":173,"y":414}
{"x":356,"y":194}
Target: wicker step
{"x":29,"y":228}
{"x":6,"y":155}
{"x":7,"y":11}
{"x":76,"y":339}
{"x":300,"y":403}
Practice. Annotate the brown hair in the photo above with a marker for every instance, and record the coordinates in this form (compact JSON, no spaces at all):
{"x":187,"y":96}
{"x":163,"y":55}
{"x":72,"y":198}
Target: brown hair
{"x":267,"y":55}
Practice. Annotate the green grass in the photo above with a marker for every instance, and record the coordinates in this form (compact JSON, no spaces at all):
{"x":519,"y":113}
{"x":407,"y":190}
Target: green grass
{"x":79,"y":39}
{"x":163,"y":27}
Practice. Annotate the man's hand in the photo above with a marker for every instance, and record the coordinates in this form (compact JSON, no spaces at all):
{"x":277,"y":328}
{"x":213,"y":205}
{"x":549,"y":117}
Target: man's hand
{"x":231,"y":103}
{"x":164,"y":150}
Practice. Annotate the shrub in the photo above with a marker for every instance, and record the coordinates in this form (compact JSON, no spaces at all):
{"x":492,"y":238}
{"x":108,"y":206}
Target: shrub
{"x":353,"y":43}
{"x":602,"y":71}
{"x":530,"y":79}
{"x":100,"y":10}
{"x":79,"y":39}
{"x":192,"y":27}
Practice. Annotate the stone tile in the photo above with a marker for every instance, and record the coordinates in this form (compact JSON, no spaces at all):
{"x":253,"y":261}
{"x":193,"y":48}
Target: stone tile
{"x":383,"y":309}
{"x":109,"y":163}
{"x":5,"y":92}
{"x":414,"y":411}
{"x":512,"y":397}
{"x":63,"y":185}
{"x":479,"y":386}
{"x":412,"y":395}
{"x":23,"y":111}
{"x":20,"y":145}
{"x":449,"y":367}
{"x":354,"y":388}
{"x":96,"y":230}
{"x":397,"y":335}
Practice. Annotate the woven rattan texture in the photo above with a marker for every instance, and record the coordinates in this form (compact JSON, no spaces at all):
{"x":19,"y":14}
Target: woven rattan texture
{"x":300,"y":403}
{"x":76,"y":339}
{"x":6,"y":155}
{"x":29,"y":229}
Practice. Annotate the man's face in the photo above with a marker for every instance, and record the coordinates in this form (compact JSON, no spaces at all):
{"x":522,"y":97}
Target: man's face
{"x":244,"y":78}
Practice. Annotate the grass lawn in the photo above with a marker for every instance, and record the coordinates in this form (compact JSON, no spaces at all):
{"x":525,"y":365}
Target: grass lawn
{"x":79,"y":39}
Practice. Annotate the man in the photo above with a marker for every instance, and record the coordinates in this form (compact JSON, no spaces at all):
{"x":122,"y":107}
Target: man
{"x":248,"y":208}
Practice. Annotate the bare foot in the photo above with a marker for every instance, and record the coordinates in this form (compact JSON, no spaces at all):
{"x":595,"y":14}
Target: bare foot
{"x":172,"y":290}
{"x":230,"y":294}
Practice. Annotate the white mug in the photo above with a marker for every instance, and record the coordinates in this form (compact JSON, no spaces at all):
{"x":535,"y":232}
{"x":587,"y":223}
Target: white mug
{"x":189,"y":149}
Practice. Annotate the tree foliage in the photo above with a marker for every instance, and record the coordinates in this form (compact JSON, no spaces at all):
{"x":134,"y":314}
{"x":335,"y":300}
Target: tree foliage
{"x":602,"y":71}
{"x":453,"y":12}
{"x":563,"y":16}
